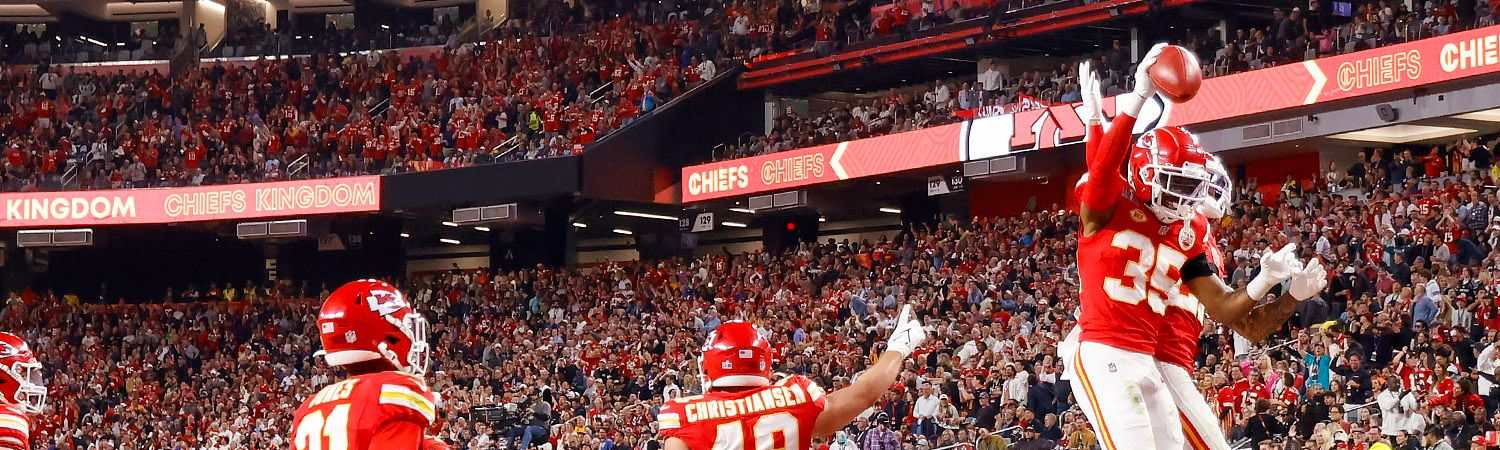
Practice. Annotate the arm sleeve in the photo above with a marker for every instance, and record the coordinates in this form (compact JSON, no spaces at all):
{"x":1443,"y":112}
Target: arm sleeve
{"x":1091,"y":140}
{"x":1105,"y":183}
{"x":409,"y":401}
{"x":669,"y":421}
{"x":1198,"y":267}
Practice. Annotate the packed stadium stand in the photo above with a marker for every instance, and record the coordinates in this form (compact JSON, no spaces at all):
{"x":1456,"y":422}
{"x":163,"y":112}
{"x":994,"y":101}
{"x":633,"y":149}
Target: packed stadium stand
{"x":1401,"y":346}
{"x":621,"y":211}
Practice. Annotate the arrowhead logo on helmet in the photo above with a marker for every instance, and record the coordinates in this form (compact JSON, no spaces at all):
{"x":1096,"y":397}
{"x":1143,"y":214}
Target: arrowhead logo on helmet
{"x":366,"y":320}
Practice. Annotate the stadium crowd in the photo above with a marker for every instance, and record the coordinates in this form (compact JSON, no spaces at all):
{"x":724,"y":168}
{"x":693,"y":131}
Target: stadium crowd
{"x":523,"y":95}
{"x":1400,"y":352}
{"x":1291,"y":36}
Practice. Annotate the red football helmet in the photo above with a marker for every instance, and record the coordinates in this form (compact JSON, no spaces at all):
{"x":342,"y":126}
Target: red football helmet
{"x":367,"y":319}
{"x":20,"y":375}
{"x":735,"y":355}
{"x":1171,"y":174}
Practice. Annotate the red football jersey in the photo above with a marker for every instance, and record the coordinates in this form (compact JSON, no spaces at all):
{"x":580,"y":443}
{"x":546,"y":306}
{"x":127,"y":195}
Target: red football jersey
{"x":1127,"y":268}
{"x":777,"y":416}
{"x":386,"y":410}
{"x":1183,"y":322}
{"x":15,"y":428}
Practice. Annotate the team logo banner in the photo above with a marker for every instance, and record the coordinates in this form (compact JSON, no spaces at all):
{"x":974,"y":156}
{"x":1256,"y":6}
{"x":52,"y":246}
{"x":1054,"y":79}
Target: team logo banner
{"x":168,"y":205}
{"x":824,"y":163}
{"x":1433,"y":60}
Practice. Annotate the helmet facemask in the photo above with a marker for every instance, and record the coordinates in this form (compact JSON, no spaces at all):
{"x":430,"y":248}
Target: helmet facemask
{"x":31,"y":392}
{"x":1178,"y":191}
{"x":416,"y":328}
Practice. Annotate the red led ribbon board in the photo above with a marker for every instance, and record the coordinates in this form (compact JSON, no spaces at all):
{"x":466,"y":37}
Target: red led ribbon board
{"x":824,"y":163}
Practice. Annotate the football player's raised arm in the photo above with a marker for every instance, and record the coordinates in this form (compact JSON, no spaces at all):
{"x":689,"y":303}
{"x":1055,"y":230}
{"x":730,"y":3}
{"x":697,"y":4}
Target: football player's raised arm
{"x":842,"y":406}
{"x":1106,"y":157}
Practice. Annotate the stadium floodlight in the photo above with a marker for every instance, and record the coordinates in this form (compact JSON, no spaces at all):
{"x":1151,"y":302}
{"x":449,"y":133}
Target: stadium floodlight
{"x":743,"y":210}
{"x":822,"y":219}
{"x":645,"y":215}
{"x":622,"y":231}
{"x":449,"y":241}
{"x":580,"y":225}
{"x":451,"y":224}
{"x":733,"y":224}
{"x":1401,"y":134}
{"x":890,"y":210}
{"x":406,"y":235}
{"x":1488,"y":115}
{"x":484,"y":229}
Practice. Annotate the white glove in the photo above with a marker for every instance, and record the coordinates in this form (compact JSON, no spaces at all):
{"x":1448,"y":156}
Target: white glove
{"x":1275,"y":267}
{"x":1144,"y":87}
{"x":1309,"y":281}
{"x":1092,"y":111}
{"x":908,"y":334}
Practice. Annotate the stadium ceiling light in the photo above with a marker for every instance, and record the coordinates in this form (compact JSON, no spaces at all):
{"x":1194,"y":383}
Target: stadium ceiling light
{"x":449,"y":241}
{"x":1401,"y":134}
{"x":580,"y":225}
{"x":486,"y":229}
{"x":890,"y":210}
{"x":406,"y":235}
{"x":645,"y":215}
{"x":385,"y":27}
{"x":622,"y":231}
{"x":743,"y":210}
{"x":733,"y":224}
{"x":1488,"y":115}
{"x":451,"y":224}
{"x":822,"y":219}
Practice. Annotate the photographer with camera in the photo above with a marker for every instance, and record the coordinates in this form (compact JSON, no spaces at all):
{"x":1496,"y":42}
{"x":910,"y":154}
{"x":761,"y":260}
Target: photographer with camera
{"x":534,"y":423}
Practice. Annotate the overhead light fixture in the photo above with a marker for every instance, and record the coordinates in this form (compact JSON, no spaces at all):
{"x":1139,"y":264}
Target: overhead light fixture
{"x":1488,"y":115}
{"x":733,"y":224}
{"x":406,"y":235}
{"x":449,"y":241}
{"x":890,"y":210}
{"x":622,"y":231}
{"x":484,"y":229}
{"x":645,"y":215}
{"x":743,"y":210}
{"x":451,"y":224}
{"x":822,"y":219}
{"x":385,"y":27}
{"x":1401,"y":134}
{"x":580,"y":225}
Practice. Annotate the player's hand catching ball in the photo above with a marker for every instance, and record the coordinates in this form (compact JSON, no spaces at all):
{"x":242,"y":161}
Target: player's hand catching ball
{"x":1309,"y":281}
{"x":908,"y":334}
{"x":1144,"y":87}
{"x":1275,"y":267}
{"x":1088,"y":87}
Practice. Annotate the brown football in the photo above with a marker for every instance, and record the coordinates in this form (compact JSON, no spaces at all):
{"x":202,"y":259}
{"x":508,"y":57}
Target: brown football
{"x":1176,"y":74}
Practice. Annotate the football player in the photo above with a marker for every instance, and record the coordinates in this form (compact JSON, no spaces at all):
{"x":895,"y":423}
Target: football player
{"x":22,"y":392}
{"x":368,"y":329}
{"x":1140,"y":246}
{"x":743,"y":409}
